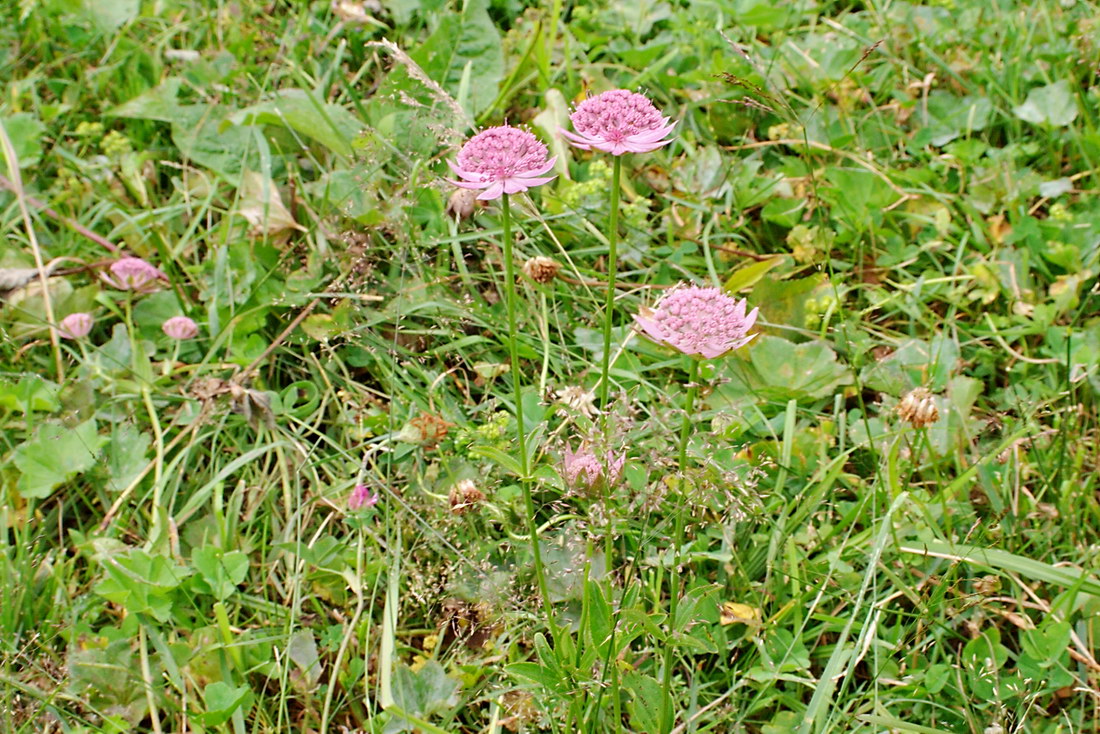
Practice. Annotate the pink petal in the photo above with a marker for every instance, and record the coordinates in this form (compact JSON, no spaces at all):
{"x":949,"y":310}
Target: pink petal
{"x":467,"y":184}
{"x":530,"y":182}
{"x":494,"y":191}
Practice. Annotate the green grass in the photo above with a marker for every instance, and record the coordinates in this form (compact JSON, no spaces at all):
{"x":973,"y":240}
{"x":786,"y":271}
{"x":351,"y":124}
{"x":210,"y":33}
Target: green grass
{"x":907,"y":191}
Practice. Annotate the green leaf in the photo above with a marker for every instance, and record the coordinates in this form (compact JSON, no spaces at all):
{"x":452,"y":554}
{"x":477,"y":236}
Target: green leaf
{"x":505,"y":461}
{"x":951,"y":116}
{"x":25,"y":131}
{"x":110,"y":15}
{"x":222,"y":700}
{"x":220,"y":570}
{"x":471,"y":38}
{"x":30,"y":394}
{"x":777,"y":369}
{"x":198,"y":132}
{"x":747,"y":276}
{"x":1052,"y":105}
{"x":302,"y":649}
{"x":645,"y":701}
{"x":125,"y":455}
{"x":55,"y":455}
{"x":423,"y":692}
{"x":540,"y":674}
{"x":330,"y":125}
{"x":159,"y":103}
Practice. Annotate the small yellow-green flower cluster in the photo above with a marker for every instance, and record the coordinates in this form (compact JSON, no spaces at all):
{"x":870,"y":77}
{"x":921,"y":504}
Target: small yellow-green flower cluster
{"x":593,"y":191}
{"x":115,"y":144}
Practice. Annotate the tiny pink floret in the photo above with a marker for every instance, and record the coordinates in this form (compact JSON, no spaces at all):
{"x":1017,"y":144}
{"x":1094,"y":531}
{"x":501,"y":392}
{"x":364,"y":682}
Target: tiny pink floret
{"x":502,"y":160}
{"x":362,"y":497}
{"x":703,"y":321}
{"x":75,"y":326}
{"x":584,"y":470}
{"x":133,"y":274}
{"x":618,"y":122}
{"x":180,"y":327}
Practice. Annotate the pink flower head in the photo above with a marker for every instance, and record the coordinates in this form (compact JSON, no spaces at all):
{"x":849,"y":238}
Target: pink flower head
{"x":618,"y":122}
{"x":75,"y":326}
{"x":584,"y":470}
{"x":694,"y":320}
{"x":361,"y":497}
{"x":133,"y":274}
{"x":502,"y":160}
{"x":180,"y":327}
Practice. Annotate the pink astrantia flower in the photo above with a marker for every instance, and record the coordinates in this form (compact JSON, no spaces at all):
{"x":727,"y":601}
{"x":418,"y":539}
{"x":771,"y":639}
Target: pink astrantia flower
{"x":361,"y":497}
{"x":502,"y":160}
{"x":133,"y":274}
{"x":694,"y":320}
{"x":585,"y":470}
{"x":75,"y":326}
{"x":180,"y":327}
{"x":618,"y":122}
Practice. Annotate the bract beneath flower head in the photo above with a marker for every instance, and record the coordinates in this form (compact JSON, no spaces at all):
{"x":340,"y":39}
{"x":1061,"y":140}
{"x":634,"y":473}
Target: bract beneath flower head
{"x":695,"y":320}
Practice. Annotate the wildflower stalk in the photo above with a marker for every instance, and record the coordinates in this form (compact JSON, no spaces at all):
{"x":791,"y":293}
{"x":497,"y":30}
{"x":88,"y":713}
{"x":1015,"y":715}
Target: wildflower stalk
{"x":521,"y":430}
{"x":609,"y":306}
{"x":678,"y":541}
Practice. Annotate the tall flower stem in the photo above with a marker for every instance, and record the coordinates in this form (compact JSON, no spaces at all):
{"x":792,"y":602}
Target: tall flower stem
{"x":678,"y":541}
{"x":609,"y":306}
{"x":521,"y":429}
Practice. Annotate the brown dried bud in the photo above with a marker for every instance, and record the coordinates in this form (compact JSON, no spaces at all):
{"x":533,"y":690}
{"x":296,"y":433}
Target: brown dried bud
{"x":541,"y":269}
{"x":919,"y":408}
{"x":465,"y":497}
{"x":462,"y":203}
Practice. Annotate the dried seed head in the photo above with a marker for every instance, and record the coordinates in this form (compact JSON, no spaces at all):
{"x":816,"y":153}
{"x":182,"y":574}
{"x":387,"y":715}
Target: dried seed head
{"x":919,"y":408}
{"x":541,"y":269}
{"x":426,"y":429}
{"x":577,"y":398}
{"x":465,"y":497}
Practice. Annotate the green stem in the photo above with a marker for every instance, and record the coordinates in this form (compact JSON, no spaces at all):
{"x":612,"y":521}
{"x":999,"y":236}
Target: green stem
{"x":609,"y":306}
{"x":521,"y":431}
{"x":678,"y":541}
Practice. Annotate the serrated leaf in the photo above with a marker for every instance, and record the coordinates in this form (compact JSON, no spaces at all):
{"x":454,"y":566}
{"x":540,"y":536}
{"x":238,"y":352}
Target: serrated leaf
{"x":55,"y":455}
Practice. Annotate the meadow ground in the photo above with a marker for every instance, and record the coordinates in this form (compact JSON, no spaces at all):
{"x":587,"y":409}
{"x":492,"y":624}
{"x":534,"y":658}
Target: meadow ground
{"x":272,"y":477}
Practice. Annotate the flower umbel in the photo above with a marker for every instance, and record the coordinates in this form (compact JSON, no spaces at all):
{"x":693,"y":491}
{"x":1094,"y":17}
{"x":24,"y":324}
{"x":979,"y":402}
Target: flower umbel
{"x":180,"y":327}
{"x":133,"y":274}
{"x":75,"y":326}
{"x":694,"y":320}
{"x":585,"y":470}
{"x":502,"y":160}
{"x":618,"y":122}
{"x":362,"y":497}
